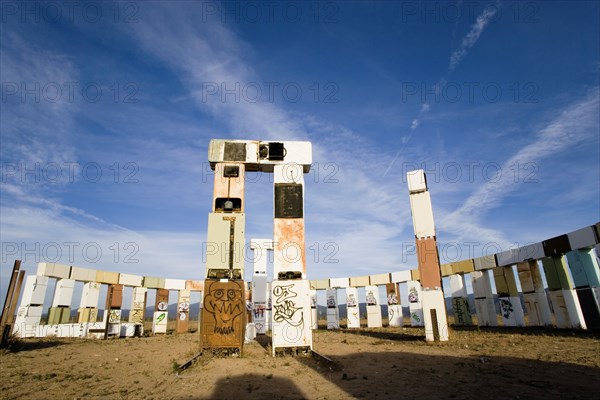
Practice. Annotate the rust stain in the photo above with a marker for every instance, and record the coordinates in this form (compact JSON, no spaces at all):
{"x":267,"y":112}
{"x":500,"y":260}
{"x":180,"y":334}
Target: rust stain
{"x":290,"y":247}
{"x":229,"y":187}
{"x":429,"y":265}
{"x":194,"y":285}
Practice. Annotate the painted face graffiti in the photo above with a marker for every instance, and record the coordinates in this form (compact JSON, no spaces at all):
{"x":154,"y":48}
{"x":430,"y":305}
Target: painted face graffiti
{"x":506,"y":307}
{"x":285,"y":308}
{"x":371,"y":300}
{"x":392,"y":299}
{"x":225,"y":303}
{"x":331,"y":302}
{"x":413,"y":296}
{"x":351,"y":300}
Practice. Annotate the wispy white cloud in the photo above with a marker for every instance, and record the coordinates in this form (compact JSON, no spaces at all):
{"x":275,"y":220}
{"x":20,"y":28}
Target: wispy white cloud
{"x":357,"y":193}
{"x":575,"y":123}
{"x":472,"y":36}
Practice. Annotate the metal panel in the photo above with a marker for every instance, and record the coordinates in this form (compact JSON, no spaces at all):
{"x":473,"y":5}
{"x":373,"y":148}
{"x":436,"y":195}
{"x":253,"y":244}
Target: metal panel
{"x":584,"y":268}
{"x":457,"y":286}
{"x":394,"y":308}
{"x":446,"y":269}
{"x":589,"y":307}
{"x":288,"y":173}
{"x":314,"y":317}
{"x":83,"y":274}
{"x":462,"y":312}
{"x":127,"y":330}
{"x":219,"y":244}
{"x":379,"y":279}
{"x":434,"y":303}
{"x":352,"y":308}
{"x":54,"y":270}
{"x":220,"y":150}
{"x":85,"y":315}
{"x":138,"y":305}
{"x":395,"y":316}
{"x":422,"y":215}
{"x":339,"y":282}
{"x":322,"y":284}
{"x":556,"y":246}
{"x":508,"y":257}
{"x":228,"y":186}
{"x":429,"y":265}
{"x":333,"y":319}
{"x":392,"y":294}
{"x":296,"y":153}
{"x":525,"y":277}
{"x":485,"y":262}
{"x":506,"y":285}
{"x":560,"y":309}
{"x":115,"y":296}
{"x":34,"y":291}
{"x":358,"y":281}
{"x":574,"y":309}
{"x":414,"y":303}
{"x":417,"y":182}
{"x":290,"y":247}
{"x":259,"y":289}
{"x":175,"y":284}
{"x":511,"y":311}
{"x":373,"y":307}
{"x":59,"y":315}
{"x":130,"y":280}
{"x":183,"y":311}
{"x":538,"y":309}
{"x":90,"y":295}
{"x":556,"y":273}
{"x":161,"y":301}
{"x":289,"y":200}
{"x":195,"y":286}
{"x":159,"y":322}
{"x":486,"y":312}
{"x":291,"y":314}
{"x":534,"y":251}
{"x":401,"y":276}
{"x":582,"y":238}
{"x":223,"y":315}
{"x":415,"y":275}
{"x":63,"y":292}
{"x":151,"y":282}
{"x":482,"y":286}
{"x":463,"y":267}
{"x":110,"y":278}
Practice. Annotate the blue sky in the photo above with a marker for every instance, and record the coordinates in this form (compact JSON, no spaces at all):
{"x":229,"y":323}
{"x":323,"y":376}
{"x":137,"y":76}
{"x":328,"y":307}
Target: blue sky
{"x":108,"y":108}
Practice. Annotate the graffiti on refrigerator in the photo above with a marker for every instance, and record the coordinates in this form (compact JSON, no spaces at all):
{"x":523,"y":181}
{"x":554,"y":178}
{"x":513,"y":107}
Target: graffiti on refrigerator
{"x":225,"y":303}
{"x":506,"y":308}
{"x":285,"y":307}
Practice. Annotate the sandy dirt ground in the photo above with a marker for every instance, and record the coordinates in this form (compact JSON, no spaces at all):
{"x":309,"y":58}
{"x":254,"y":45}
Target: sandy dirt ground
{"x":366,"y":363}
